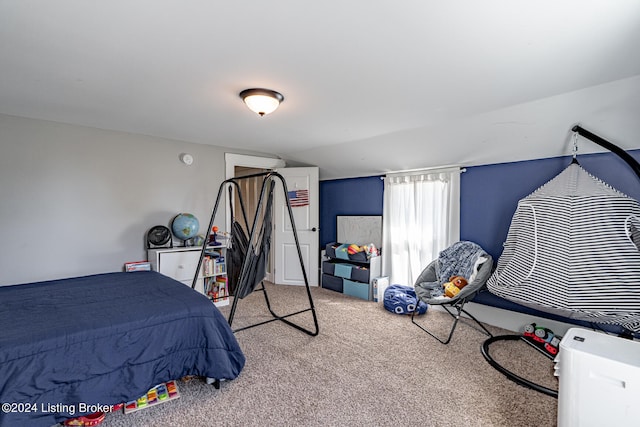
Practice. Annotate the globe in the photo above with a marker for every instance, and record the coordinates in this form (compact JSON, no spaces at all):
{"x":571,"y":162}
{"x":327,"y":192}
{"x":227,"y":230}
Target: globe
{"x":185,"y":226}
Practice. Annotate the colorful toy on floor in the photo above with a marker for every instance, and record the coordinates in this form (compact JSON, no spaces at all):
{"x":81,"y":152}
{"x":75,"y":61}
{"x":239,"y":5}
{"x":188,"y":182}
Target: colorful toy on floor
{"x":86,"y":420}
{"x":91,"y":419}
{"x":542,"y":338}
{"x":159,"y":394}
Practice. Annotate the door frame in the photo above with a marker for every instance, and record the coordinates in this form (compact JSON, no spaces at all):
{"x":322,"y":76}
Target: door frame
{"x":231,"y":160}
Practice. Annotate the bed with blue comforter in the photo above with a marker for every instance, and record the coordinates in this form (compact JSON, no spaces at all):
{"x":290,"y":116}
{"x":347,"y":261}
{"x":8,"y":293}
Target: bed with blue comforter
{"x":102,"y":340}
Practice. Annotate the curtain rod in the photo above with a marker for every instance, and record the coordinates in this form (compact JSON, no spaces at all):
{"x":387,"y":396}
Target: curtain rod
{"x":461,"y":169}
{"x":609,"y":146}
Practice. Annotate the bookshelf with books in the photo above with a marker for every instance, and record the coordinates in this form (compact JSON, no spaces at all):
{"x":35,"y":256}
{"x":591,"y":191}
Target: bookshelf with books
{"x":180,"y":263}
{"x":214,"y":273}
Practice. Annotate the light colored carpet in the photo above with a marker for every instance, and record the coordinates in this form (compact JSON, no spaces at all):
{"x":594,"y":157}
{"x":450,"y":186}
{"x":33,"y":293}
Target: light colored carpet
{"x":367,"y":367}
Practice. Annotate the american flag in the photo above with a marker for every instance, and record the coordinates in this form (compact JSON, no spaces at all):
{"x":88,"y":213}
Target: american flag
{"x":299,"y":198}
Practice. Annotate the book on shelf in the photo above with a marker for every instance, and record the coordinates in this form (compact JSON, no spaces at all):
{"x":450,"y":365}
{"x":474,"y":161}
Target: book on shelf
{"x":217,"y":289}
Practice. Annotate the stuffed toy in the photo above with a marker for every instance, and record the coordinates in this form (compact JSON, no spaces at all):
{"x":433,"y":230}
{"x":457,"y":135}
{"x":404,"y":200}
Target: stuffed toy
{"x":372,"y":250}
{"x":459,"y":281}
{"x":450,"y":290}
{"x":454,"y":285}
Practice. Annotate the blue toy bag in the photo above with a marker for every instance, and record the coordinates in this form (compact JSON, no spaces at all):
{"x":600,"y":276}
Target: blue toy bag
{"x":401,"y":299}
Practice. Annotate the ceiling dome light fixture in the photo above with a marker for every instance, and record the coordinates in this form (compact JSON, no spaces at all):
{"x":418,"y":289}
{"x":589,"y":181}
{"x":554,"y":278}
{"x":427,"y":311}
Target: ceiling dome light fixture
{"x":261,"y":101}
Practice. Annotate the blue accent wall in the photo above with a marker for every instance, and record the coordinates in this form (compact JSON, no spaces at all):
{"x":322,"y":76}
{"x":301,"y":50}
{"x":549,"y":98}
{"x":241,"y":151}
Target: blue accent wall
{"x":353,"y":196}
{"x":489,"y":195}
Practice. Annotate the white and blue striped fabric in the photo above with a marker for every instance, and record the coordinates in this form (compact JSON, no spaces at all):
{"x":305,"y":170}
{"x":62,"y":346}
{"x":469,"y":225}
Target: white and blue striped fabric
{"x":573,"y":249}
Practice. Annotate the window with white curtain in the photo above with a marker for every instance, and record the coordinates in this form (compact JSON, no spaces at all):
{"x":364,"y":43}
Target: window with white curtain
{"x":421,"y":217}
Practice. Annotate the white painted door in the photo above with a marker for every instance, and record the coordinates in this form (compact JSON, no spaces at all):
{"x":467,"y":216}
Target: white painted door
{"x":302,"y":187}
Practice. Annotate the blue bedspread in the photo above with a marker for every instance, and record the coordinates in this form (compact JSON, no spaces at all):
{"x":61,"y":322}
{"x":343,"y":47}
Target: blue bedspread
{"x":104,"y":339}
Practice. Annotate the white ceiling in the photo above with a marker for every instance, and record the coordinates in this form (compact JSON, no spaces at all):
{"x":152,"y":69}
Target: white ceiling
{"x":369,"y":86}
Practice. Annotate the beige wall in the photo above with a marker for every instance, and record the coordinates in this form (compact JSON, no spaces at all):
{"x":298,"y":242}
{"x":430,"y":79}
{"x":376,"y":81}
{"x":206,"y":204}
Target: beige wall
{"x":77,"y":200}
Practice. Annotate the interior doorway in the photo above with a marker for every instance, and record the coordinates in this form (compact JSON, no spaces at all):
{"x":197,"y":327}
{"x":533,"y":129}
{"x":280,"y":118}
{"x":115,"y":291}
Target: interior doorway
{"x":251,"y":189}
{"x":302,"y":184}
{"x":242,"y":165}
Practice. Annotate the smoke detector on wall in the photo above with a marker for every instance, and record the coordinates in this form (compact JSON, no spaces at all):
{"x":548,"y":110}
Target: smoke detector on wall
{"x":186,"y":158}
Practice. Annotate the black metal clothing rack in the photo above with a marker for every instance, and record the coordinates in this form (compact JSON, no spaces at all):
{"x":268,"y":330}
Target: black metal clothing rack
{"x":267,"y":187}
{"x":486,"y":345}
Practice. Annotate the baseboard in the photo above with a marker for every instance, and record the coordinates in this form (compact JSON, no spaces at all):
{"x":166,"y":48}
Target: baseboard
{"x":513,"y":321}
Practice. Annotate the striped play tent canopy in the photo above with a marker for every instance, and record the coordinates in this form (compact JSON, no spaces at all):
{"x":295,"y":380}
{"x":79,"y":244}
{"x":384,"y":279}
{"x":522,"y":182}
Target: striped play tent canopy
{"x":573,"y":249}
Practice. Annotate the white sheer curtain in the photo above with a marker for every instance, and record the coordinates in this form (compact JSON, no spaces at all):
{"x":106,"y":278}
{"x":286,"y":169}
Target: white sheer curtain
{"x":421,"y":218}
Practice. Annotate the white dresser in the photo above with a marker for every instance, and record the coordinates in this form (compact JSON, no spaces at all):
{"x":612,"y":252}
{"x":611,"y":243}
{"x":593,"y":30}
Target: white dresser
{"x":180,"y":263}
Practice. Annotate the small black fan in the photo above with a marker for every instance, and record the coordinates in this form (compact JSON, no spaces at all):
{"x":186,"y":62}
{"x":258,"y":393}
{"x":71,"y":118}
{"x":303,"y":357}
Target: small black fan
{"x":159,"y":236}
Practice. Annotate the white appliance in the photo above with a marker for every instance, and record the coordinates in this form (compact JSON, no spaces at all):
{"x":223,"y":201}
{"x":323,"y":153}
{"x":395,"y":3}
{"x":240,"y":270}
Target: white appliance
{"x":599,"y":380}
{"x":379,"y":285}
